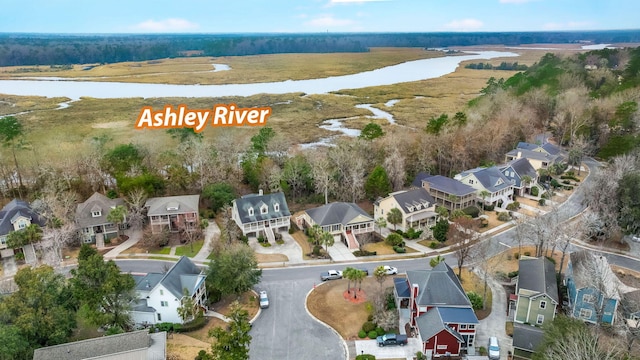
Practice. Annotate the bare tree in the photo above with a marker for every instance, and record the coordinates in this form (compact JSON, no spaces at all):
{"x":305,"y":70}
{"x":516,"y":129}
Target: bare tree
{"x":571,"y":114}
{"x":53,"y":242}
{"x":394,"y":164}
{"x":135,"y":200}
{"x":322,"y":172}
{"x":481,"y":254}
{"x":229,"y":230}
{"x":462,"y":232}
{"x":627,"y":321}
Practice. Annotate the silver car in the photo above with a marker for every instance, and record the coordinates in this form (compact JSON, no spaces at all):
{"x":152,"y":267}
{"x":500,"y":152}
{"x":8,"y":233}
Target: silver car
{"x":264,"y":300}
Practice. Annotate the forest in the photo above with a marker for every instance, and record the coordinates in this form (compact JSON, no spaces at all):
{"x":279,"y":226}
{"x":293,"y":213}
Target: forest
{"x":18,"y":49}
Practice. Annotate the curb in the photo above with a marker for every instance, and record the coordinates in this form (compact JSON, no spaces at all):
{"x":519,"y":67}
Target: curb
{"x":344,"y":342}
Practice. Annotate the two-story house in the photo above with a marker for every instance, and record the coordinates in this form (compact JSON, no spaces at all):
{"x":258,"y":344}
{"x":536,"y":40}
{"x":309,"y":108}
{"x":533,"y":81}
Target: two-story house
{"x":16,"y":216}
{"x":539,"y":160}
{"x":536,"y":291}
{"x":262,"y":213}
{"x":91,"y":218}
{"x":343,"y":220}
{"x":173,"y":213}
{"x":491,"y":180}
{"x":160,"y":295}
{"x":447,"y":192}
{"x":417,"y":207}
{"x":517,"y":171}
{"x":594,"y":290}
{"x":435,"y":304}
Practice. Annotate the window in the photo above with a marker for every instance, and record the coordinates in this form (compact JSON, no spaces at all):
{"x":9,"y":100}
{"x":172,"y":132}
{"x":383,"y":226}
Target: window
{"x":264,"y":209}
{"x":442,"y":347}
{"x":159,"y":317}
{"x":164,"y":303}
{"x":588,"y":298}
{"x":22,"y":224}
{"x":470,"y":341}
{"x":585,"y":313}
{"x":276,"y":207}
{"x":471,"y":327}
{"x":161,"y":292}
{"x":250,"y":211}
{"x":3,"y":240}
{"x":463,"y":326}
{"x":470,"y":181}
{"x":96,"y":213}
{"x":543,"y":304}
{"x":540,"y":319}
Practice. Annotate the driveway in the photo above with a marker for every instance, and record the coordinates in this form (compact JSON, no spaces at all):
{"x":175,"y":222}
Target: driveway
{"x":493,"y":325}
{"x":9,"y":266}
{"x":388,"y":352}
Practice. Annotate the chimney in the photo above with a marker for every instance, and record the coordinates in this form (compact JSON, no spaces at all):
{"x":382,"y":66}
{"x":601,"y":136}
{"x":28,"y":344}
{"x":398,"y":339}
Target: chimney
{"x":519,"y":154}
{"x":260,"y":192}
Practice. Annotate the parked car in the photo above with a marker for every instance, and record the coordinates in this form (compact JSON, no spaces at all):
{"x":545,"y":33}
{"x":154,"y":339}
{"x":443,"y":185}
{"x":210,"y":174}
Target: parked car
{"x":635,"y":238}
{"x":331,"y":275}
{"x":493,"y":348}
{"x":390,"y":270}
{"x":366,"y":272}
{"x":392,"y":339}
{"x":264,"y":300}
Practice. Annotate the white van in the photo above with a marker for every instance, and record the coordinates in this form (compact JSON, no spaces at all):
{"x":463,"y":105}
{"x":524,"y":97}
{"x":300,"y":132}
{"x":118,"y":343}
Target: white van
{"x":493,"y":348}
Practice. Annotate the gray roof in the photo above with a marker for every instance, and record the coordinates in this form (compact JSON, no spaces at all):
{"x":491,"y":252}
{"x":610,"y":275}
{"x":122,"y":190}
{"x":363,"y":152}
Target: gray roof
{"x":539,"y":275}
{"x":491,"y":178}
{"x":141,"y":305}
{"x":449,"y":186}
{"x":255,"y":201}
{"x":412,"y":198}
{"x":402,"y":287}
{"x":526,"y":337}
{"x":13,"y":210}
{"x":536,"y":155}
{"x":183,"y":274}
{"x":431,"y":323}
{"x":97,"y":347}
{"x":527,"y":146}
{"x":148,"y":281}
{"x":438,"y":286}
{"x":97,"y":202}
{"x":172,"y":205}
{"x":417,"y":182}
{"x":547,"y":147}
{"x":522,"y":167}
{"x":337,"y":213}
{"x":458,"y":315}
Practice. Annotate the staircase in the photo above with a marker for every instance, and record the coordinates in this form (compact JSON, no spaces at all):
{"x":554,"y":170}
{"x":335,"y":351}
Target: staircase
{"x":352,"y":242}
{"x":268,"y":232}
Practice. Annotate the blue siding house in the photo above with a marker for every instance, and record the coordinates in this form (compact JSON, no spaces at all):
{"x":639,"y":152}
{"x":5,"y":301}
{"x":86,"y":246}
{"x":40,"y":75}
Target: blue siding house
{"x":594,"y":290}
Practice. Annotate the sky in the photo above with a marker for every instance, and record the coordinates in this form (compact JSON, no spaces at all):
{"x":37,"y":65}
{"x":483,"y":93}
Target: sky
{"x":312,"y":16}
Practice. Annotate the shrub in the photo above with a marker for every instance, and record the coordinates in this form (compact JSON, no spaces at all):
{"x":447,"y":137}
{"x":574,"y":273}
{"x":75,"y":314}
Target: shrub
{"x":292,"y":230}
{"x":503,"y":216}
{"x":475,"y":299}
{"x":196,"y":324}
{"x":364,"y":253}
{"x":370,"y":317}
{"x":534,"y":191}
{"x":316,"y":250}
{"x":471,"y":211}
{"x":433,"y":245}
{"x":380,"y":331}
{"x":527,"y":253}
{"x":372,"y":334}
{"x":541,"y":202}
{"x":165,"y":326}
{"x":517,"y":256}
{"x":393,"y":239}
{"x":566,"y":182}
{"x":512,"y":274}
{"x":362,"y":334}
{"x":413,"y":234}
{"x":368,"y":326}
{"x":399,"y":232}
{"x":513,"y":206}
{"x":244,"y":239}
{"x":420,"y":356}
{"x":555,"y":183}
{"x":482,"y":351}
{"x":566,"y":187}
{"x":399,"y":249}
{"x":489,"y":207}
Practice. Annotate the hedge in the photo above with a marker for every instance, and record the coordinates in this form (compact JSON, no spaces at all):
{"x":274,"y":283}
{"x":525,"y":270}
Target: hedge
{"x":471,"y":211}
{"x":365,"y":357}
{"x":372,"y":334}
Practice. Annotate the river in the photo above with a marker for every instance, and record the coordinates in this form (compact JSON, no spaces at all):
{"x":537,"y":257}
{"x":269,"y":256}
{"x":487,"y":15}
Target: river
{"x":404,"y":72}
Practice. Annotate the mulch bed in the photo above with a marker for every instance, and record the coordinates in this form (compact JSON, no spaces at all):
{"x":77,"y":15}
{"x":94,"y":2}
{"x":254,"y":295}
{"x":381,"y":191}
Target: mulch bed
{"x":360,"y":296}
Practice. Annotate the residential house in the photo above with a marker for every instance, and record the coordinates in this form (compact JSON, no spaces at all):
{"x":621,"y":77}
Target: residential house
{"x":447,"y":192}
{"x":262,"y":213}
{"x":594,"y":290}
{"x":160,"y":295}
{"x":526,"y":339}
{"x":537,"y":159}
{"x":91,"y":218}
{"x":173,"y":213}
{"x":492,"y":180}
{"x":516,"y":171}
{"x":536,"y":291}
{"x":434,"y":303}
{"x":545,"y":148}
{"x":417,"y":207}
{"x":139,"y":345}
{"x":343,"y":220}
{"x":15,"y":216}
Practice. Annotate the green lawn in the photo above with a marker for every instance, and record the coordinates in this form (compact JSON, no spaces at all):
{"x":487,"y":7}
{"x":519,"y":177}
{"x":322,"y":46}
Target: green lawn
{"x":186,"y":249}
{"x":163,"y":250}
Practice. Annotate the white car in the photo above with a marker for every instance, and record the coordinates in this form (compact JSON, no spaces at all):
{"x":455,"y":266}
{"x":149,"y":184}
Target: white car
{"x":264,"y":300}
{"x":390,"y":270}
{"x":635,"y":238}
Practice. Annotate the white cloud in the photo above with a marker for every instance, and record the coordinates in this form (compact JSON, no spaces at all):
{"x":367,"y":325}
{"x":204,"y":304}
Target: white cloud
{"x":464,"y":25}
{"x":329,"y":21}
{"x":570,"y":25}
{"x":167,"y":25}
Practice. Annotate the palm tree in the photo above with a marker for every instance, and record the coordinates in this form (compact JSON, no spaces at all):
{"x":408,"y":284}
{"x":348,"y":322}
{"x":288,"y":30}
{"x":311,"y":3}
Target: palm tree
{"x":117,"y":216}
{"x":381,"y":275}
{"x":327,"y":240}
{"x":358,"y":275}
{"x":381,"y":222}
{"x":394,"y":217}
{"x":348,"y":274}
{"x":435,"y":261}
{"x":526,"y":180}
{"x":453,"y":199}
{"x":484,"y":194}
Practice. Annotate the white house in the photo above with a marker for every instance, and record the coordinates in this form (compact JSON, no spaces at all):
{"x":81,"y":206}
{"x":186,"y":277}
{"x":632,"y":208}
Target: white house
{"x":417,"y":207}
{"x":256,"y":213}
{"x":160,"y":295}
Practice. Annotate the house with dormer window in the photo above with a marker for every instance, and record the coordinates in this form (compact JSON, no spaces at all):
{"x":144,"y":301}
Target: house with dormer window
{"x":517,"y":171}
{"x":91,"y":218}
{"x":490,"y":179}
{"x":173,"y":213}
{"x":16,"y":216}
{"x":257,"y":214}
{"x":417,"y":207}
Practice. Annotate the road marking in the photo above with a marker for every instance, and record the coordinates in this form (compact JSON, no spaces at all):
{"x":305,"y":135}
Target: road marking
{"x":503,"y":244}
